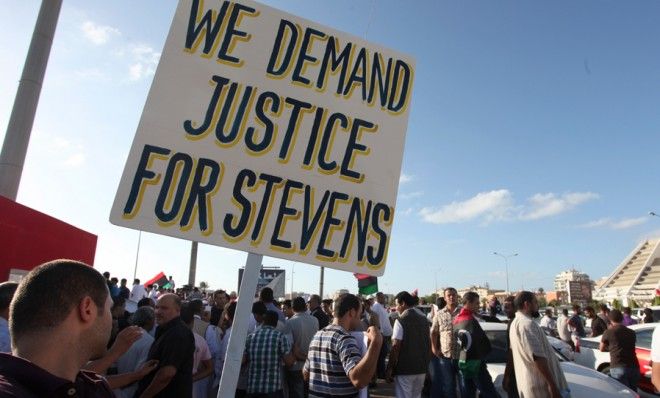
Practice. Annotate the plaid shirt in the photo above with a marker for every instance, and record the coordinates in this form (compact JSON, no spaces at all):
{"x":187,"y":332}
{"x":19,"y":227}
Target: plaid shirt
{"x":443,"y":324}
{"x":264,"y":350}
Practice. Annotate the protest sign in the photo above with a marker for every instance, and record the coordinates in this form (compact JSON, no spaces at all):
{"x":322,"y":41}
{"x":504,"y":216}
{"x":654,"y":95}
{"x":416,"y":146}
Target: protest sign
{"x":271,"y":134}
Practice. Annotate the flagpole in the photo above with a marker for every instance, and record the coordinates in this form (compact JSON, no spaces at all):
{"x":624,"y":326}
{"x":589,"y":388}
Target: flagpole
{"x":321,"y":283}
{"x":137,"y":254}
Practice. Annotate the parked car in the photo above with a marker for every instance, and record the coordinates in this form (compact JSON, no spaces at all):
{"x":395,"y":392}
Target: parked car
{"x":582,"y":381}
{"x":591,"y":356}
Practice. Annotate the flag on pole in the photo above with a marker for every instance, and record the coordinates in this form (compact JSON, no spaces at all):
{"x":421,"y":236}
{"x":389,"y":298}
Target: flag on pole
{"x":160,"y":280}
{"x":367,"y":284}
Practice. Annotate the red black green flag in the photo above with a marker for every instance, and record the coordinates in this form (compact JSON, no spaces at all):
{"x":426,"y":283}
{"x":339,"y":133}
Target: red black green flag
{"x":160,"y":280}
{"x":367,"y":284}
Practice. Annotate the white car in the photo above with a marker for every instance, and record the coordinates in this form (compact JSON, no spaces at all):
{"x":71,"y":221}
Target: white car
{"x":583,"y":382}
{"x":591,"y":356}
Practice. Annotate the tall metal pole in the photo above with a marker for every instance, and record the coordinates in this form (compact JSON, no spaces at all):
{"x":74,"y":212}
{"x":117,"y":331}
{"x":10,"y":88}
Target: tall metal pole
{"x":506,"y":266}
{"x":321,"y":283}
{"x":193,"y":264}
{"x":21,"y":120}
{"x":137,"y":254}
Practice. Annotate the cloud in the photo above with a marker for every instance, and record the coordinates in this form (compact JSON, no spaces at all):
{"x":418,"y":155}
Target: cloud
{"x":624,"y":223}
{"x":411,"y":195}
{"x":75,"y":160}
{"x":98,"y":34}
{"x":406,"y":212}
{"x":144,"y":63}
{"x":89,"y":74}
{"x":404,"y":178}
{"x":499,"y":205}
{"x":543,"y":205}
{"x":489,"y":205}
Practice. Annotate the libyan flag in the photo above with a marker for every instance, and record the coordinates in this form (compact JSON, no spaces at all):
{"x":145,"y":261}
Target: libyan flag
{"x":160,"y":280}
{"x":367,"y":284}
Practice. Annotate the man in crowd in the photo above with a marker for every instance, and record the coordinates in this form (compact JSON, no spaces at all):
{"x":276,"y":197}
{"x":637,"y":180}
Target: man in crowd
{"x":411,"y":349}
{"x":123,"y":290}
{"x":287,"y":309}
{"x":627,"y":317}
{"x":335,"y":367}
{"x":303,"y":327}
{"x":138,"y":292}
{"x":538,"y":373}
{"x":547,"y":323}
{"x":562,"y":328}
{"x":266,"y":296}
{"x":202,"y":362}
{"x":326,"y":306}
{"x":598,"y":326}
{"x":114,"y":289}
{"x":443,"y":345}
{"x":7,"y":290}
{"x":604,"y":314}
{"x":575,"y":323}
{"x":173,"y":349}
{"x":509,"y":380}
{"x":220,"y":299}
{"x":314,"y":305}
{"x":620,"y":341}
{"x":265,"y":350}
{"x":59,"y":320}
{"x":474,"y":348}
{"x":132,"y":360}
{"x":385,"y":328}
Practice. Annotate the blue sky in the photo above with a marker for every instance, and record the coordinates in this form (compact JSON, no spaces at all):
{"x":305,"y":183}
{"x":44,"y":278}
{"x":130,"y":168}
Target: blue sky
{"x":534,"y":130}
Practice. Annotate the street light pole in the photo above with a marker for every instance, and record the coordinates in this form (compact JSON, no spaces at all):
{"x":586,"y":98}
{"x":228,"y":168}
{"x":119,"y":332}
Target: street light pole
{"x":506,"y":266}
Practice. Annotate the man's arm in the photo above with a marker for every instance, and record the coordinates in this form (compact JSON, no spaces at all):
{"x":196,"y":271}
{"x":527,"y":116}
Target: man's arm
{"x":394,"y":358}
{"x":542,"y":366}
{"x":362,"y":373}
{"x":123,"y":342}
{"x":124,"y":379}
{"x":435,"y":342}
{"x":160,"y":381}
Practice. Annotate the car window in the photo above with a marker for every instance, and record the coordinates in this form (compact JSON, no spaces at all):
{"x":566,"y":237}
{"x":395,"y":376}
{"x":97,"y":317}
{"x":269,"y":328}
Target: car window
{"x":644,"y":338}
{"x":498,"y":344}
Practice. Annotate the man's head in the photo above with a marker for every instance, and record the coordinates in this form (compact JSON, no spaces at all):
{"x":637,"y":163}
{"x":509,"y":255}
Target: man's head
{"x":527,"y":303}
{"x":509,"y":307}
{"x":106,"y":275}
{"x":114,"y":281}
{"x":63,"y":295}
{"x":576,"y":309}
{"x":123,"y":282}
{"x":548,"y":312}
{"x":258,"y":311}
{"x":266,"y":295}
{"x":604,"y":309}
{"x":270,"y":318}
{"x":146,"y":302}
{"x":314,"y":302}
{"x":136,"y":281}
{"x":150,"y":286}
{"x":7,"y":290}
{"x":187,"y":315}
{"x":170,"y":277}
{"x":564,"y":311}
{"x":197,"y":307}
{"x":230,"y":311}
{"x":168,"y":307}
{"x":380,"y":298}
{"x":220,"y":298}
{"x":287,"y":308}
{"x":615,"y":316}
{"x":144,"y":317}
{"x":118,"y":307}
{"x":627,"y":311}
{"x":589,"y":312}
{"x":404,"y":300}
{"x":471,"y":301}
{"x":348,"y":310}
{"x":451,"y":297}
{"x":298,"y":305}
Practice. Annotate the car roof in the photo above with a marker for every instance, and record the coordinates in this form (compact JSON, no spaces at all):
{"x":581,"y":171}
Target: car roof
{"x":492,"y":326}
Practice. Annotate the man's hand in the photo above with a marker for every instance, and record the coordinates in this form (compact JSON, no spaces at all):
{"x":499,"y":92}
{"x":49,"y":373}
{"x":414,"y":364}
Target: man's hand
{"x":374,"y":336}
{"x":147,"y":368}
{"x":126,"y":338}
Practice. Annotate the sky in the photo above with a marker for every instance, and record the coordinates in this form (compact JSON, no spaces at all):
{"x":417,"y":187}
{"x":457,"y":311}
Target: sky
{"x":533,"y":129}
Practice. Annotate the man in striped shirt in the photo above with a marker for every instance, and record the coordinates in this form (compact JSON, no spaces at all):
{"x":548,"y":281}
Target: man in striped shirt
{"x":335,"y":367}
{"x":264,"y":351}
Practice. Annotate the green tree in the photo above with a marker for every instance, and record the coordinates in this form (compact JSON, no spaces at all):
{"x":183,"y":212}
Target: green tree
{"x":616,"y":304}
{"x":656,"y":300}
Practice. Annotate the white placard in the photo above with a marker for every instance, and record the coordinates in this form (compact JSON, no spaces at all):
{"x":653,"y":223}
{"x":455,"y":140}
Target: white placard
{"x":268,"y":133}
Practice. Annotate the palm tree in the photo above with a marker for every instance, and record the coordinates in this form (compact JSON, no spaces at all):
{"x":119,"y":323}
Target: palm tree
{"x":203,"y":285}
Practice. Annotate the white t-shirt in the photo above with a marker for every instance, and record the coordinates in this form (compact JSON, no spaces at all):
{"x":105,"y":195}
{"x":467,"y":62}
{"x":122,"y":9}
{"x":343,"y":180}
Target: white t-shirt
{"x":397,"y":332}
{"x":655,"y":345}
{"x":138,"y":292}
{"x":383,"y":318}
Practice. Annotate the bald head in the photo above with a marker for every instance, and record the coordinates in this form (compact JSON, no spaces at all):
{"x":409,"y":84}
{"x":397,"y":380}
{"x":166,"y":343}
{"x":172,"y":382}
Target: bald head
{"x":168,"y":308}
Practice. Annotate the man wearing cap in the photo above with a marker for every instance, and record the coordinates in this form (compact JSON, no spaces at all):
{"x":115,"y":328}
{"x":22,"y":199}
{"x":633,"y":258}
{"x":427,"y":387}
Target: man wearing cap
{"x":314,"y":305}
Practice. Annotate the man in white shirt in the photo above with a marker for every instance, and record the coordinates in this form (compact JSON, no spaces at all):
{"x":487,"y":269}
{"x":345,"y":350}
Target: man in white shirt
{"x":547,"y":323}
{"x":138,"y":292}
{"x":7,"y":290}
{"x":385,"y":329}
{"x":562,"y":328}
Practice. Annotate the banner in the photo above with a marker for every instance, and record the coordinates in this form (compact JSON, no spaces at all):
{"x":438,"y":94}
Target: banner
{"x":269,"y":133}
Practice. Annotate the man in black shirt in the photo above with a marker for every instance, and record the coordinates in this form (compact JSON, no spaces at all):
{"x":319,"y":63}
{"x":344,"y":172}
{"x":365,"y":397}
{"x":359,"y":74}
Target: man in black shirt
{"x":598,"y":326}
{"x":173,"y":349}
{"x":620,"y":342}
{"x":314,"y":305}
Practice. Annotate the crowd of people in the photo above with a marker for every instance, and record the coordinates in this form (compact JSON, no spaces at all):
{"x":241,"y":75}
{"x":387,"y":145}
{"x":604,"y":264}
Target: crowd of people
{"x":69,"y":334}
